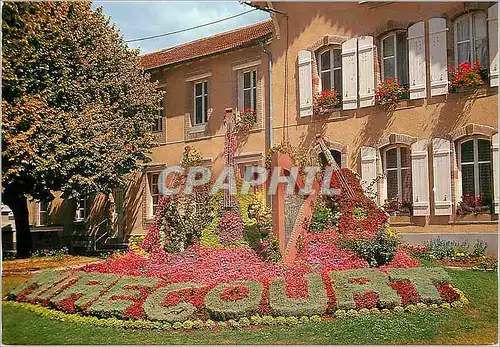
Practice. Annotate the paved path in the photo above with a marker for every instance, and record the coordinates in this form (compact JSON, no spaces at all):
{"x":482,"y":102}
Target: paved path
{"x":421,"y":238}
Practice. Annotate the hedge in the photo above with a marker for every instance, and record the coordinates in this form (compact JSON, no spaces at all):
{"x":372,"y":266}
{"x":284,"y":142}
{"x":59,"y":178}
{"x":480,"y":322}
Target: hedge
{"x":138,"y":298}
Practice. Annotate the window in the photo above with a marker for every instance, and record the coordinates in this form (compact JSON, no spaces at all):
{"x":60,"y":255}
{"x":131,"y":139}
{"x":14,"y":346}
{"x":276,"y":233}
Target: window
{"x":471,"y":41}
{"x":81,"y":209}
{"x":330,"y":70}
{"x":200,"y":102}
{"x":475,"y":167}
{"x":158,"y":125}
{"x":154,"y":191}
{"x":395,"y":57}
{"x":337,"y":156}
{"x":43,"y":213}
{"x":243,"y":167}
{"x":397,"y":164}
{"x":250,"y":90}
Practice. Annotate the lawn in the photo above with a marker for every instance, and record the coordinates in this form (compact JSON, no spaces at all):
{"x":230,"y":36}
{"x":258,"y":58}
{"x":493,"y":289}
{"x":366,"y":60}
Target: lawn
{"x":476,"y":324}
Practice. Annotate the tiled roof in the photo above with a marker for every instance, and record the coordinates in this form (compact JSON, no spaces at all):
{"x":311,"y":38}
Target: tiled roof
{"x":207,"y":46}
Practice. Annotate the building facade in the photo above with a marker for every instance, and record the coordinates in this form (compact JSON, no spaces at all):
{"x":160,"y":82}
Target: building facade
{"x":420,"y":157}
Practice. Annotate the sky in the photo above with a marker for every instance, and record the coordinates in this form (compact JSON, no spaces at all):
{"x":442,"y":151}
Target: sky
{"x":140,"y":19}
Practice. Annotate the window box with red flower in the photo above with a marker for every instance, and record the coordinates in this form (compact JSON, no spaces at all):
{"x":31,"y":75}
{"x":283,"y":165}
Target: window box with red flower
{"x":389,"y":91}
{"x":246,"y":119}
{"x":326,"y":102}
{"x":466,"y":77}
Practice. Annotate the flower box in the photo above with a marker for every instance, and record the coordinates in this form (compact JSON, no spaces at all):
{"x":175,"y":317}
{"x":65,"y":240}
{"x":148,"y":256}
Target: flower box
{"x":245,"y":120}
{"x":326,"y":102}
{"x":389,"y":91}
{"x":467,"y":77}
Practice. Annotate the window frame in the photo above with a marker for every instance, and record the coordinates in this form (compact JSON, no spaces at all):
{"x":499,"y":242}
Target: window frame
{"x":476,"y":163}
{"x":158,"y":125}
{"x":252,"y":89}
{"x":469,"y":17}
{"x":331,"y":68}
{"x":397,"y":62}
{"x":152,"y":205}
{"x":204,"y":101}
{"x":40,"y":211}
{"x":79,"y":209}
{"x":398,"y":169}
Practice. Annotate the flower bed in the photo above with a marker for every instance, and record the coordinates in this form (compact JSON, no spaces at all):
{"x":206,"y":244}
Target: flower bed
{"x":232,"y":285}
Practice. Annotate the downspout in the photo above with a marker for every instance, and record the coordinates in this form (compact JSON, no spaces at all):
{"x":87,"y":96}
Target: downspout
{"x":266,"y":50}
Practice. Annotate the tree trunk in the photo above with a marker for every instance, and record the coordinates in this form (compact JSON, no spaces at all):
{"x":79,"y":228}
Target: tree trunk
{"x":19,"y":206}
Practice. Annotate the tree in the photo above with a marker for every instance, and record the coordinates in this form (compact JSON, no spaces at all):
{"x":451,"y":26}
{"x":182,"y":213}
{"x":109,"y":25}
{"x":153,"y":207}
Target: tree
{"x":77,"y":109}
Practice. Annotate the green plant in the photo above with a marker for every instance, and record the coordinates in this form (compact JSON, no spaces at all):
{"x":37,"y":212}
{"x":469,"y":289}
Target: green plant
{"x":325,"y":215}
{"x":377,"y":251}
{"x":479,"y":248}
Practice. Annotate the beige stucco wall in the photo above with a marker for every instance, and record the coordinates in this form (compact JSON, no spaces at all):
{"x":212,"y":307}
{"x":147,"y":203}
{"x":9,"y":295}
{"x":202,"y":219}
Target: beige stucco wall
{"x":308,"y":24}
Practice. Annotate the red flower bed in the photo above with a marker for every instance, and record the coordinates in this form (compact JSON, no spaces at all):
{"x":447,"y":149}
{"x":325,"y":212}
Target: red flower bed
{"x":406,"y":291}
{"x":447,"y":293}
{"x":234,"y":293}
{"x":366,"y":300}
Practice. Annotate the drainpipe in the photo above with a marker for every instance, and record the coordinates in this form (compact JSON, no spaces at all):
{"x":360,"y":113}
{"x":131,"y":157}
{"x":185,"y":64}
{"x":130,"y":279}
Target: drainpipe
{"x":266,"y":50}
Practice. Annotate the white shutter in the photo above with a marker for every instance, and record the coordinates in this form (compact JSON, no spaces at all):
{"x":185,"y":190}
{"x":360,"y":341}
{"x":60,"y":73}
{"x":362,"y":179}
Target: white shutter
{"x":420,"y":178}
{"x":240,"y":89}
{"x":350,"y":74}
{"x":438,"y":59}
{"x":366,"y":71}
{"x":493,"y":44}
{"x":368,"y":165}
{"x":305,"y":83}
{"x":496,"y":171}
{"x":416,"y":60}
{"x":441,"y":159}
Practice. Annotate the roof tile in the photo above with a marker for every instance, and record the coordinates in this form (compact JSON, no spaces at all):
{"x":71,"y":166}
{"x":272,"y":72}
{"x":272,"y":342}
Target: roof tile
{"x":207,"y":46}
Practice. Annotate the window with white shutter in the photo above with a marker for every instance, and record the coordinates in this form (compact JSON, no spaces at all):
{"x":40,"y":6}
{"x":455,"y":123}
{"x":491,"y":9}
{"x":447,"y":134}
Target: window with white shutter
{"x":330,"y":69}
{"x":475,"y":165}
{"x":420,"y":178}
{"x":398,"y":172}
{"x":438,"y":59}
{"x":441,"y":163}
{"x":366,"y":71}
{"x":471,"y":39}
{"x":493,"y":44}
{"x":304,"y":61}
{"x":394,"y":54}
{"x":416,"y":60}
{"x":350,"y":74}
{"x":496,"y":171}
{"x":368,"y":165}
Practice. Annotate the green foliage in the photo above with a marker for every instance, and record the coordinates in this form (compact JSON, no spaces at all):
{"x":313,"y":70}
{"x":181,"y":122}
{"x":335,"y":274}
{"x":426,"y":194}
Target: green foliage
{"x":441,"y":249}
{"x":377,"y":251}
{"x":423,"y":279}
{"x":121,"y":296}
{"x":77,"y":107}
{"x":315,"y":303}
{"x":479,"y":248}
{"x":325,"y":215}
{"x":154,"y":309}
{"x":58,"y":254}
{"x":345,"y":288}
{"x":221,"y":309}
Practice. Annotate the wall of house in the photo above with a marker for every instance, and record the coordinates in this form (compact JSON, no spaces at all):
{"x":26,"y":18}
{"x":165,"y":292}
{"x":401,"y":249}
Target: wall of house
{"x":311,"y":26}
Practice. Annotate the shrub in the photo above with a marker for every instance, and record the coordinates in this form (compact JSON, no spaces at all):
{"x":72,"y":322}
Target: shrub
{"x":324,"y":216}
{"x":479,"y":248}
{"x":315,"y":318}
{"x":210,"y":324}
{"x":340,"y":313}
{"x":399,"y":309}
{"x":378,"y":250}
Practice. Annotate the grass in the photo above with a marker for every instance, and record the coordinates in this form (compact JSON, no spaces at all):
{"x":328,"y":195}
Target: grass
{"x":476,"y":324}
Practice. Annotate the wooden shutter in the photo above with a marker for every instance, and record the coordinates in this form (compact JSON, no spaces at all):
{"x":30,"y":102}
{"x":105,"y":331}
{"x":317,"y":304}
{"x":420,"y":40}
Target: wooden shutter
{"x":350,"y":74}
{"x":420,"y":178}
{"x":493,"y":44}
{"x":368,"y":165}
{"x":416,"y":59}
{"x":438,"y":59}
{"x":305,"y":83}
{"x":441,"y":162}
{"x":496,"y":171}
{"x":366,"y":71}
